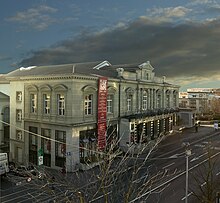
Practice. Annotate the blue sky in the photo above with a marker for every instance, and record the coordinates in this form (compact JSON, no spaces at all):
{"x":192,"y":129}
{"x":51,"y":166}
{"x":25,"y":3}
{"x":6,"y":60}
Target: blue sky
{"x":180,"y":38}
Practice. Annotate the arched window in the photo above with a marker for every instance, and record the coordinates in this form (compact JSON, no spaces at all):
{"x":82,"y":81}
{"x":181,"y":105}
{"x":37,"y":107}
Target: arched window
{"x":144,"y":100}
{"x":61,"y":94}
{"x":168,"y":99}
{"x":129,"y":101}
{"x":88,"y":97}
{"x":158,"y":99}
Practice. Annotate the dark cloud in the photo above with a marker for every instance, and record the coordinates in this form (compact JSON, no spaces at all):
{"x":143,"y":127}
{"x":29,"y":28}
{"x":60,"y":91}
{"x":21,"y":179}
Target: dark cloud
{"x":174,"y":50}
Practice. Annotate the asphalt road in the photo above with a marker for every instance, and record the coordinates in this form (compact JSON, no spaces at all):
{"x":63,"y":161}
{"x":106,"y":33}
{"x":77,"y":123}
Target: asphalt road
{"x":170,"y":160}
{"x":167,"y":163}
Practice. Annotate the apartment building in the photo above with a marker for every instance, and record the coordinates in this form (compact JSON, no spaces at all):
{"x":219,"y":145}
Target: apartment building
{"x":68,"y":113}
{"x":199,"y":99}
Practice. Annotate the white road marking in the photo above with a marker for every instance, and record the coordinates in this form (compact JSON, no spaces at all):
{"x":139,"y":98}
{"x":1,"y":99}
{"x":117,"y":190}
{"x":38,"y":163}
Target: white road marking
{"x":196,"y":158}
{"x":203,"y":184}
{"x":218,"y":173}
{"x":168,"y":165}
{"x":187,"y":196}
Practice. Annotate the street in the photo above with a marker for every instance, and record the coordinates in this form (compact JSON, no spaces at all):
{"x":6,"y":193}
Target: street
{"x":167,"y":164}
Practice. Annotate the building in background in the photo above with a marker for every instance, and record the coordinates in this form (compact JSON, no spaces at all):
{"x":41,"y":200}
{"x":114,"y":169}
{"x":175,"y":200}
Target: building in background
{"x":4,"y":114}
{"x":68,"y":113}
{"x":204,"y":101}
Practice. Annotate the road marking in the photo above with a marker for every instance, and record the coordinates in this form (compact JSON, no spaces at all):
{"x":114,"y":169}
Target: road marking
{"x":187,"y":196}
{"x":217,"y":148}
{"x":168,"y":165}
{"x":196,"y":158}
{"x":218,"y":173}
{"x":176,"y":155}
{"x":172,"y":179}
{"x":199,"y":145}
{"x":14,"y":193}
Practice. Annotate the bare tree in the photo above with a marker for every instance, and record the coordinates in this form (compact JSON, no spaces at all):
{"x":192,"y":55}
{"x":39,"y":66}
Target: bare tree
{"x":119,"y":177}
{"x":207,"y":184}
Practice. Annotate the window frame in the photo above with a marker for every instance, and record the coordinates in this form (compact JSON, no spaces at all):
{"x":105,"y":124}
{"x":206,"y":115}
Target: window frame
{"x":129,"y":103}
{"x":61,"y":104}
{"x":46,"y":103}
{"x":33,"y":103}
{"x":19,"y":115}
{"x":18,"y":96}
{"x":144,"y":102}
{"x":110,"y":103}
{"x":88,"y":104}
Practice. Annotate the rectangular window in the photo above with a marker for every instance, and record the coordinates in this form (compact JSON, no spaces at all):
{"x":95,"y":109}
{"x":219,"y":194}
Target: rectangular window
{"x":60,"y":148}
{"x":144,"y":102}
{"x":19,"y":115}
{"x":33,"y":103}
{"x":18,"y":96}
{"x":32,"y":137}
{"x":88,"y":104}
{"x":46,"y":102}
{"x":174,"y":100}
{"x":61,"y":104}
{"x":110,"y":103}
{"x":158,"y":101}
{"x":167,"y":100}
{"x":88,"y":146}
{"x":46,"y":143}
{"x":18,"y":135}
{"x":129,"y":103}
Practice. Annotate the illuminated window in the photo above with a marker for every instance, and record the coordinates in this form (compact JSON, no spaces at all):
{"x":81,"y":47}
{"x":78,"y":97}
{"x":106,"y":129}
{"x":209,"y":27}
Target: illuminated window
{"x":144,"y":102}
{"x":33,"y":103}
{"x":61,"y":104}
{"x":46,"y":103}
{"x":88,"y":104}
{"x":110,"y":103}
{"x":129,"y":103}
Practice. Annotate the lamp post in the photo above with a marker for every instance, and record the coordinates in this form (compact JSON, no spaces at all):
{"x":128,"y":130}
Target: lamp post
{"x":188,"y":153}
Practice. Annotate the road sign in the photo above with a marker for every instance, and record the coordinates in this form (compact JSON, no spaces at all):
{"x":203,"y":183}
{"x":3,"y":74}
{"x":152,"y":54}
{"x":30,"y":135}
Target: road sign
{"x":40,"y":152}
{"x":68,"y":153}
{"x":40,"y":160}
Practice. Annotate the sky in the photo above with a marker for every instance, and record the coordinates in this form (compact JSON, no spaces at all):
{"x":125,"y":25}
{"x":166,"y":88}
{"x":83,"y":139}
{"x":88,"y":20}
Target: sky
{"x":180,"y":38}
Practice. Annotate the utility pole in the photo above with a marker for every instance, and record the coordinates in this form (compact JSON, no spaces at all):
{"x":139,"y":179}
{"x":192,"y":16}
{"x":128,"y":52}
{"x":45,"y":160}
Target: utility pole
{"x":188,"y":153}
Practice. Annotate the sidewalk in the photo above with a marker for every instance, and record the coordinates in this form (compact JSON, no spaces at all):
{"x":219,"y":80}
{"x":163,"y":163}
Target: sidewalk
{"x":171,"y":142}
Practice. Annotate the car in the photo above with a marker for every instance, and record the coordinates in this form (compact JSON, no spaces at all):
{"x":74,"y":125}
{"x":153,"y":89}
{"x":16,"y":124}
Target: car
{"x":23,"y":171}
{"x":30,"y":172}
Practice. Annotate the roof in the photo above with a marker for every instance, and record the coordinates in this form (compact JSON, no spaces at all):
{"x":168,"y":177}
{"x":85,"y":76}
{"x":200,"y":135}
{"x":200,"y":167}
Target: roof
{"x":3,"y":79}
{"x":89,"y":68}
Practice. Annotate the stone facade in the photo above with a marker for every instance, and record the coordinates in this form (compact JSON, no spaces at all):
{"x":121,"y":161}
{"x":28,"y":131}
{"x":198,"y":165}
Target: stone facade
{"x":54,"y":110}
{"x":4,"y":114}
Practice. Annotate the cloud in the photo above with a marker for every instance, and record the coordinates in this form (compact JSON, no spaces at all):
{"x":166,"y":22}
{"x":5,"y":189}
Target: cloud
{"x":177,"y":51}
{"x":37,"y":18}
{"x":169,"y":12}
{"x":5,"y":58}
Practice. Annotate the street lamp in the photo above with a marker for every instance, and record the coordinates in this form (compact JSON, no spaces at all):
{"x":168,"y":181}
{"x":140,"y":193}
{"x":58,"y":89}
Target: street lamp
{"x":188,"y":153}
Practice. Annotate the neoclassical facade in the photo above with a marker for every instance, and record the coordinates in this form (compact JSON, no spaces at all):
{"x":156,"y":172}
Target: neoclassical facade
{"x":56,"y":110}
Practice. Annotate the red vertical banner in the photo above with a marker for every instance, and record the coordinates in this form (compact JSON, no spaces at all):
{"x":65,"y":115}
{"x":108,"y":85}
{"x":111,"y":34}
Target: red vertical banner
{"x":102,"y":112}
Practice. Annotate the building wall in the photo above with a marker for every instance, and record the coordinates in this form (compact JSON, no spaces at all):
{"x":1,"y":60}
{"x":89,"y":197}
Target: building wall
{"x":16,"y":142}
{"x":4,"y":105}
{"x":74,"y":122}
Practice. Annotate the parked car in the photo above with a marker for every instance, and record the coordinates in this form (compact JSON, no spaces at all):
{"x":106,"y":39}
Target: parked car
{"x":23,"y":171}
{"x":29,"y":171}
